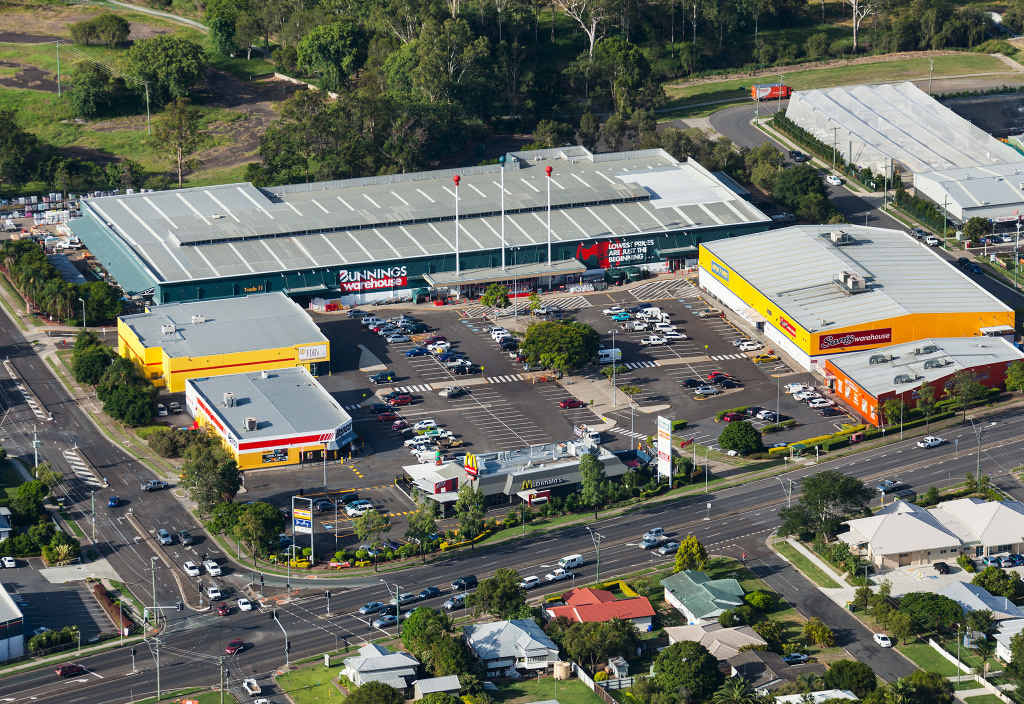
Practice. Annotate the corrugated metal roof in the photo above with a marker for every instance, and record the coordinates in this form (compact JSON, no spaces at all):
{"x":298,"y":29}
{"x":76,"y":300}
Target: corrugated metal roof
{"x":796,"y":268}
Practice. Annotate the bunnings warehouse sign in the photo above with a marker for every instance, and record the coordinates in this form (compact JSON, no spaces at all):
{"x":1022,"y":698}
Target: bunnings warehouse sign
{"x":664,"y":448}
{"x":373,"y":279}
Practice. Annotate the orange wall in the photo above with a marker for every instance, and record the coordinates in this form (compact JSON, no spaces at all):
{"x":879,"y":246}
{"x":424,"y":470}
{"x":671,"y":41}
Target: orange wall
{"x":855,"y":397}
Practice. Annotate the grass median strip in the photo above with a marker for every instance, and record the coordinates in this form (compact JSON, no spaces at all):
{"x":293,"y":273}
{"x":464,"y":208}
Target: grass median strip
{"x":800,"y":561}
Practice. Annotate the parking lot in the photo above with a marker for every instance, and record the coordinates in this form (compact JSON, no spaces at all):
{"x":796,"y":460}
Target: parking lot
{"x":48,"y":605}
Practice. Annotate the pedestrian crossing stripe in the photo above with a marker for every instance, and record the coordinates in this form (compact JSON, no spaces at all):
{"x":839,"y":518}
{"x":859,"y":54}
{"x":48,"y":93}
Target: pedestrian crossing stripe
{"x":658,"y":290}
{"x":628,"y":433}
{"x":505,"y":379}
{"x":640,"y":365}
{"x":416,"y":387}
{"x":720,"y":357}
{"x":81,"y":469}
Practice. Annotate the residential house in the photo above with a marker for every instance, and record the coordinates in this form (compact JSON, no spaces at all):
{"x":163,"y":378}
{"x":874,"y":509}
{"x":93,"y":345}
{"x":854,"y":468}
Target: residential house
{"x":723,"y":643}
{"x":449,"y":684}
{"x":5,"y":523}
{"x":507,"y":646}
{"x":375,"y":663}
{"x":699,"y":599}
{"x":766,"y":671}
{"x":818,"y":697}
{"x":1007,"y":630}
{"x":905,"y":534}
{"x":587,"y":605}
{"x":971,"y":597}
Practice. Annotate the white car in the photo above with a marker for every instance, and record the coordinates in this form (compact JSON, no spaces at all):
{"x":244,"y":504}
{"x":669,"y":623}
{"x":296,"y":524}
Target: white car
{"x":750,"y":346}
{"x":653,"y":340}
{"x":613,"y":310}
{"x":529,"y":582}
{"x":358,"y":510}
{"x":191,"y":568}
{"x":930,"y":441}
{"x":635,"y":325}
{"x":663,"y":327}
{"x":882,"y":640}
{"x":706,"y":391}
{"x":498,"y":333}
{"x":9,"y":562}
{"x":213,"y":592}
{"x":805,"y":395}
{"x":396,"y":338}
{"x":416,"y":440}
{"x":439,"y":347}
{"x":674,"y":335}
{"x":425,"y":424}
{"x":932,"y":241}
{"x":795,"y":388}
{"x":244,"y":604}
{"x":557,"y":575}
{"x":833,"y":180}
{"x":820,"y":403}
{"x":212,"y":568}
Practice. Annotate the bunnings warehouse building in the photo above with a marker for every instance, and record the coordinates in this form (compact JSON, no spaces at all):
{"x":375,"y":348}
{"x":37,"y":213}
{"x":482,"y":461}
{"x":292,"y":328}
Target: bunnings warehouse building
{"x":818,"y":292}
{"x":374,"y":238}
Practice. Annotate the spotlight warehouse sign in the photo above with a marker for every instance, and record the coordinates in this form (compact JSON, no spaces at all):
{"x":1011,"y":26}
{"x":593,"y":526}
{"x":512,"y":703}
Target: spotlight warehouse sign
{"x":664,"y":448}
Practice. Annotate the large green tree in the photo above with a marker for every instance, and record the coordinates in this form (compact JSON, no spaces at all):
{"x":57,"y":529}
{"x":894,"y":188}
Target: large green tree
{"x":500,"y":595}
{"x":496,"y":296}
{"x":1000,"y":583}
{"x":590,"y":643}
{"x":688,"y":666}
{"x":930,"y":612}
{"x":826,"y":499}
{"x":592,"y":482}
{"x":178,"y":134}
{"x":563,"y":346}
{"x":258,"y":527}
{"x":26,"y":503}
{"x":422,"y":524}
{"x":210,"y":475}
{"x":741,"y":436}
{"x":371,"y":527}
{"x":469,"y":511}
{"x":1015,"y":375}
{"x":332,"y":52}
{"x":965,"y":389}
{"x":422,"y":628}
{"x":375,"y":693}
{"x":173,"y":67}
{"x":690,"y":555}
{"x":851,"y":675}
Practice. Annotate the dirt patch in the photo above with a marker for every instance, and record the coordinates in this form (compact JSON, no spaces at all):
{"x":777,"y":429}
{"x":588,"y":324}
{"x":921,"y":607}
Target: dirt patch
{"x":19,"y":38}
{"x":30,"y":77}
{"x":38,"y":24}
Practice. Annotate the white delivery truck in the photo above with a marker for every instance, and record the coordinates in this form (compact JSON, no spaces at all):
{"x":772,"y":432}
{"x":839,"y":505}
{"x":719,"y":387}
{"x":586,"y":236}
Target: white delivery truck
{"x":607,"y":356}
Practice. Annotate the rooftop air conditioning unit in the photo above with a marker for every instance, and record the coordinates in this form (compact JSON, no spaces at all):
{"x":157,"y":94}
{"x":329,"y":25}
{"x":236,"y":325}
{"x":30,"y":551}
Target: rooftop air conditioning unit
{"x":167,"y":329}
{"x":927,"y":349}
{"x":251,"y":424}
{"x":229,"y":399}
{"x":903,"y":379}
{"x":937,"y":363}
{"x":878,"y":359}
{"x":839,"y":238}
{"x":854,"y":283}
{"x":198,"y":318}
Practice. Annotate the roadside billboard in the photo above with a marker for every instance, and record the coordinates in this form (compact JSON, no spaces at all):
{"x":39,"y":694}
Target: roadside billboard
{"x":302,"y":520}
{"x":664,"y":448}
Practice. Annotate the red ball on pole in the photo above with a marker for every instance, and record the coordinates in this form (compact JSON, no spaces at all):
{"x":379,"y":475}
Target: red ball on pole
{"x":547,"y":170}
{"x":456,"y":178}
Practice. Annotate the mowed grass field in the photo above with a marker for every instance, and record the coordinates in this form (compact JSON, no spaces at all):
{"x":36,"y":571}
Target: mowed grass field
{"x":682,"y":94}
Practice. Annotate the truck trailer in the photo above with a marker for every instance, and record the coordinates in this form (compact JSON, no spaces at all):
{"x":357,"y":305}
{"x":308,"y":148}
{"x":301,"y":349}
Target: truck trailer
{"x":770,"y":91}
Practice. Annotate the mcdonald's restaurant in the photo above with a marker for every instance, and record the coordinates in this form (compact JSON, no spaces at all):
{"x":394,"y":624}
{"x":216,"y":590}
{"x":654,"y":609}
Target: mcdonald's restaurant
{"x":532,"y":474}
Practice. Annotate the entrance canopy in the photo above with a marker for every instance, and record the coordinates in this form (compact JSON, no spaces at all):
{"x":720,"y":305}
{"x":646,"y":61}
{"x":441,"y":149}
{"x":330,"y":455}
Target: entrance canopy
{"x":672,"y":252}
{"x":470,"y":277}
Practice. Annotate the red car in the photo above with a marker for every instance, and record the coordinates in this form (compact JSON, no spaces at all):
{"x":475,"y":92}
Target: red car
{"x":399,"y":425}
{"x":386,"y":416}
{"x":400,"y":400}
{"x":435,"y":338}
{"x":223,"y":610}
{"x":235,"y":646}
{"x":730,"y":417}
{"x":69,"y":670}
{"x":714,"y":375}
{"x":570,"y":403}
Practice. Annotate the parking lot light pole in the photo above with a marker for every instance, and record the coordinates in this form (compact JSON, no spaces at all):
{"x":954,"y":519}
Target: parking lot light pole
{"x":613,"y":368}
{"x":456,"y":180}
{"x":977,"y":434}
{"x":82,"y":301}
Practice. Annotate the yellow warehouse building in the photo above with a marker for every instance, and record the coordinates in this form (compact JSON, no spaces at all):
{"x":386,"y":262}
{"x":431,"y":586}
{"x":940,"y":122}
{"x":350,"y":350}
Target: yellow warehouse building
{"x":818,"y":291}
{"x":179,"y":341}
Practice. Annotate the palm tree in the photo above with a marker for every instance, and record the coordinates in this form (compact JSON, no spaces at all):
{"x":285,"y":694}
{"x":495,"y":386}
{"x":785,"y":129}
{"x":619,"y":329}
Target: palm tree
{"x":735,"y":690}
{"x":900,"y":692}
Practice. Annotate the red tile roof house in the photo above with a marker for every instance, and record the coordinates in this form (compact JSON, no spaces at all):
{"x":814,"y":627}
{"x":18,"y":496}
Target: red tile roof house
{"x":585,"y":605}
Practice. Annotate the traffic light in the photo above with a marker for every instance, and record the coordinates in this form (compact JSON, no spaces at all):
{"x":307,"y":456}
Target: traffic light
{"x":261,"y":580}
{"x":327,"y":594}
{"x":287,"y":646}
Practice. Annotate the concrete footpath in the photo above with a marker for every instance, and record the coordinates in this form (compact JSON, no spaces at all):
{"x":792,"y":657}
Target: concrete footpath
{"x":842,"y":595}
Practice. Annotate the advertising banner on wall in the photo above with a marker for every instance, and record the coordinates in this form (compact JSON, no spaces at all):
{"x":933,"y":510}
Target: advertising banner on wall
{"x":613,"y":253}
{"x":664,"y":448}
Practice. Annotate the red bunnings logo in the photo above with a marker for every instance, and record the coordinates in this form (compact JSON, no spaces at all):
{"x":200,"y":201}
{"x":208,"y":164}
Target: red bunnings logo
{"x":857,"y":338}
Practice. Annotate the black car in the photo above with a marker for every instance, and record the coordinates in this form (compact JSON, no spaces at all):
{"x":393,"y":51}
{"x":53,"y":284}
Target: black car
{"x":962,"y":262}
{"x":726,"y":383}
{"x":692,"y":383}
{"x":392,"y":394}
{"x":798,"y":156}
{"x":348,"y":497}
{"x":471,"y":369}
{"x":322,"y":505}
{"x":185,"y":537}
{"x":382,"y":377}
{"x":795,"y":659}
{"x":379,"y":408}
{"x":463,"y":583}
{"x":508,"y":344}
{"x":942,"y":568}
{"x":637,"y":309}
{"x":429,"y":593}
{"x":830,"y":411}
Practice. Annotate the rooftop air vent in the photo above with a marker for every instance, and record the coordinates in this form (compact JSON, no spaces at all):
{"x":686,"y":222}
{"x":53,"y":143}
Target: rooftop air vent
{"x":927,"y":349}
{"x":903,"y":379}
{"x":167,"y":329}
{"x":217,"y":216}
{"x":879,"y":359}
{"x":937,"y":363}
{"x":198,"y":318}
{"x":251,"y":424}
{"x":229,"y":399}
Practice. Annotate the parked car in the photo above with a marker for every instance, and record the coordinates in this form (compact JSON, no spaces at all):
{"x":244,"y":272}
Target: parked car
{"x":529,"y":582}
{"x":941,"y":568}
{"x":452,"y":392}
{"x":768,"y":415}
{"x":165,"y":537}
{"x":570,"y":403}
{"x":732,"y":416}
{"x":750,"y":346}
{"x":387,"y":416}
{"x":766,"y":358}
{"x":831,"y":411}
{"x":382,"y":377}
{"x":614,"y":310}
{"x":114,"y":501}
{"x":932,"y":241}
{"x":882,"y":640}
{"x":673,"y":335}
{"x":401,"y":400}
{"x":425,"y":424}
{"x":706,"y":391}
{"x":439,"y":347}
{"x":795,"y":659}
{"x":930,"y":441}
{"x":798,"y":156}
{"x":396,"y":337}
{"x":191,"y":568}
{"x":653,"y":340}
{"x":691,"y":383}
{"x":621,"y":317}
{"x":417,"y":352}
{"x":820,"y":403}
{"x":833,"y":180}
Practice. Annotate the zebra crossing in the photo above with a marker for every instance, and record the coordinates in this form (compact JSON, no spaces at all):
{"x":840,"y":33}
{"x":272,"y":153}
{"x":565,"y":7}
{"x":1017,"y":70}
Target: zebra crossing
{"x":665,"y":288}
{"x":81,"y":469}
{"x":522,"y":307}
{"x":735,"y":355}
{"x":414,"y":388}
{"x":505,"y":379}
{"x":642,"y":364}
{"x":352,"y":406}
{"x":628,"y":433}
{"x":37,"y":410}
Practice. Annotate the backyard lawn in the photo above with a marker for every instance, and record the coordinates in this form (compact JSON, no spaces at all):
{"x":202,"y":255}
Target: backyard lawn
{"x":565,"y":692}
{"x":10,"y":479}
{"x":928,"y":659}
{"x":310,"y":685}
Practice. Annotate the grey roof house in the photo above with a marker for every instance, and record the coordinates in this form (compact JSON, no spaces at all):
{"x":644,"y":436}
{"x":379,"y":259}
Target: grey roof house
{"x":375,"y":663}
{"x":448,"y":684}
{"x":700,"y":599}
{"x":5,"y":523}
{"x":971,"y":597}
{"x":511,"y":645}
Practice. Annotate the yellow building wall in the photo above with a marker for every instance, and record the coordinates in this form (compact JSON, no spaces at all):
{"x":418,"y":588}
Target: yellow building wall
{"x":177,"y":369}
{"x":907,"y":328}
{"x":753,"y":298}
{"x":149,"y":359}
{"x":254,"y":459}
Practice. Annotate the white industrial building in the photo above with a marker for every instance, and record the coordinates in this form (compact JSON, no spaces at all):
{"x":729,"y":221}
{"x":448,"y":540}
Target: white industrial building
{"x":898,"y":126}
{"x":12,"y":628}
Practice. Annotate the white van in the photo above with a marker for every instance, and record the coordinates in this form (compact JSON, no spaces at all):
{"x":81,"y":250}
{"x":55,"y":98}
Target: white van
{"x":571,"y":562}
{"x":607,"y":356}
{"x":653,"y":313}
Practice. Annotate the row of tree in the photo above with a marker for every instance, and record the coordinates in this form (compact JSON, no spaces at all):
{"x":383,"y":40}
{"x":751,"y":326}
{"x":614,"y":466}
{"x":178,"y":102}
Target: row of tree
{"x":126,"y":394}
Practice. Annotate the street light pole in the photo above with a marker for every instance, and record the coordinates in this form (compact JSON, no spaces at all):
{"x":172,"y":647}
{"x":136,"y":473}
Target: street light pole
{"x":789,"y":492}
{"x":613,"y":367}
{"x":977,"y":434}
{"x":547,"y":170}
{"x":501,"y":161}
{"x":596,"y":538}
{"x":82,"y":301}
{"x":152,"y":572}
{"x":281,"y":626}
